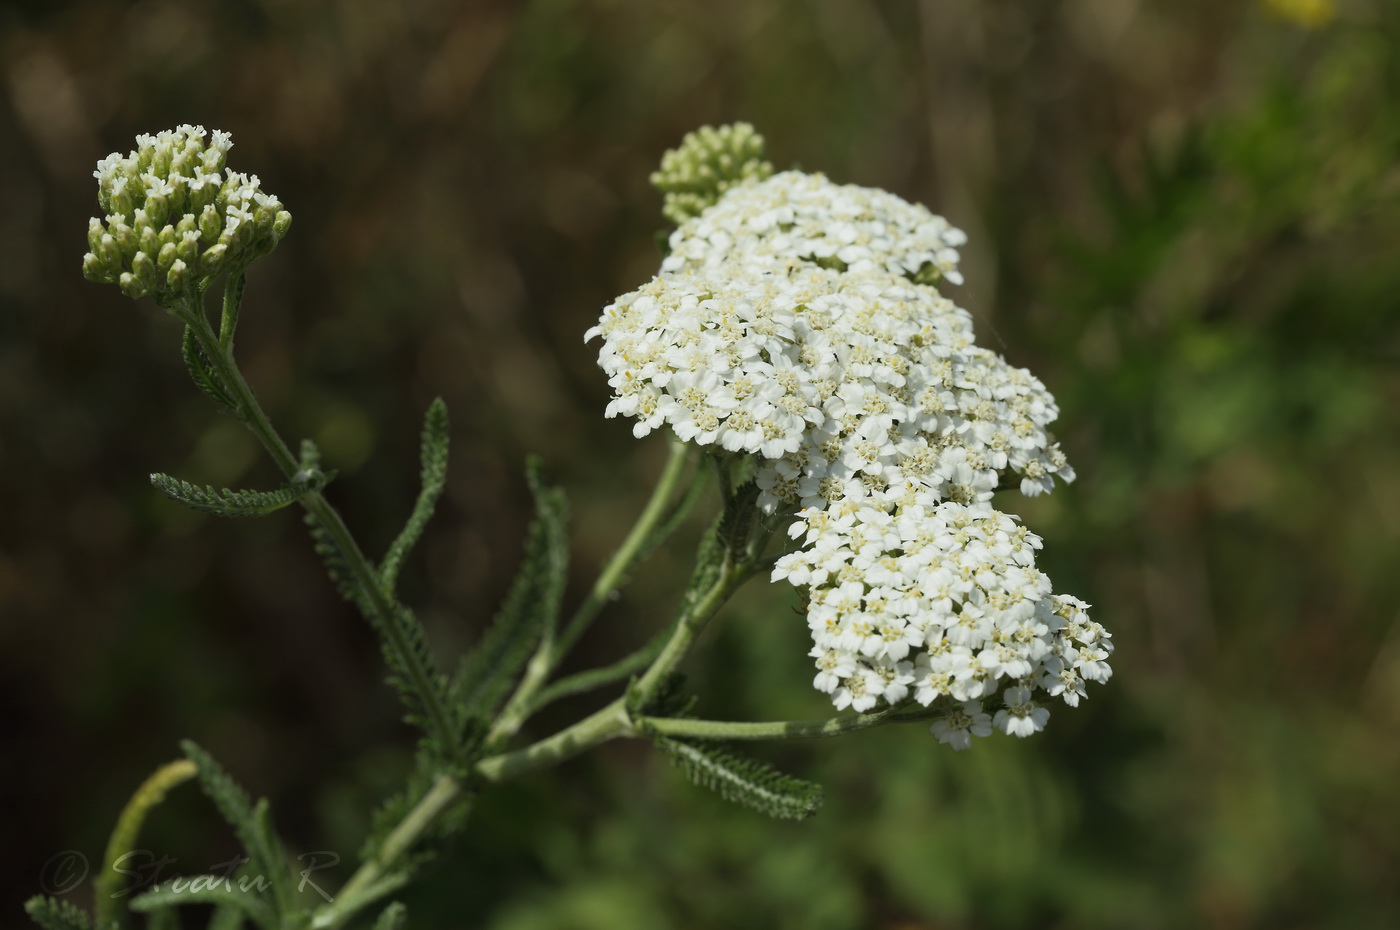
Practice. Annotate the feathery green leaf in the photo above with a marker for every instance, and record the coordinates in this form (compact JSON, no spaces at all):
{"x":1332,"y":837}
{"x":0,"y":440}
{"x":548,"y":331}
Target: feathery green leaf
{"x":531,"y":609}
{"x":252,"y":824}
{"x":56,"y":915}
{"x":434,"y":459}
{"x":205,"y":378}
{"x":227,"y":503}
{"x":225,"y":917}
{"x":207,"y":889}
{"x":745,"y":781}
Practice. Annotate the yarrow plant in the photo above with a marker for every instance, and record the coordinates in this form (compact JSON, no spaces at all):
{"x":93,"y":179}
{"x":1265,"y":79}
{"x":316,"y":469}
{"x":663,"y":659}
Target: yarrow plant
{"x":795,"y":348}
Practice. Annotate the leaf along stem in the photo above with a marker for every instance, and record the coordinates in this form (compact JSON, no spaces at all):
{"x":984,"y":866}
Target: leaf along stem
{"x":372,"y":600}
{"x":552,"y":650}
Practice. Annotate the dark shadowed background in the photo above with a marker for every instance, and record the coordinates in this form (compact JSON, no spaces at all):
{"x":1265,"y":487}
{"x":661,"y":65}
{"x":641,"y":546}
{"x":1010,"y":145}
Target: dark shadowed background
{"x":1184,"y":217}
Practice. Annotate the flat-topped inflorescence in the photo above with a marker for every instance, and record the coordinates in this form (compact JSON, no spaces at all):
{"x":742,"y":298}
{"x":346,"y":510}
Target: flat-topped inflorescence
{"x":176,"y":217}
{"x":829,"y":377}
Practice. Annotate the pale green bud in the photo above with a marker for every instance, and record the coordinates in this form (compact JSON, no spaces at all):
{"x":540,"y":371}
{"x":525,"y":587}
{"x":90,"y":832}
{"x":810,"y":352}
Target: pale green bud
{"x":95,"y":270}
{"x":281,"y":224}
{"x":707,"y":163}
{"x":187,"y":224}
{"x":95,"y":233}
{"x":263,"y":218}
{"x":213,"y":259}
{"x":126,"y":239}
{"x":210,"y":225}
{"x":122,"y":205}
{"x":144,"y":267}
{"x":131,"y":286}
{"x":187,"y":249}
{"x":111,"y":255}
{"x":148,"y":241}
{"x":165,"y":258}
{"x":168,"y":236}
{"x":178,"y":278}
{"x":157,"y":209}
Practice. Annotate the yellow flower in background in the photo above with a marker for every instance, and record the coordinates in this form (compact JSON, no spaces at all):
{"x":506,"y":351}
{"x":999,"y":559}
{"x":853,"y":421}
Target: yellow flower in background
{"x":1310,"y":14}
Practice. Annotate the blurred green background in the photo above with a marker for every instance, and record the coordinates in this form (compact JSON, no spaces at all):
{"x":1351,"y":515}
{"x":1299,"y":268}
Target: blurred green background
{"x":1184,"y":217}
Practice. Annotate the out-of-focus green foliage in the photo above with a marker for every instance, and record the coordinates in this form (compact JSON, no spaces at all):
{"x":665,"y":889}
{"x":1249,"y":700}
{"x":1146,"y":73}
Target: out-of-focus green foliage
{"x":1185,"y":218}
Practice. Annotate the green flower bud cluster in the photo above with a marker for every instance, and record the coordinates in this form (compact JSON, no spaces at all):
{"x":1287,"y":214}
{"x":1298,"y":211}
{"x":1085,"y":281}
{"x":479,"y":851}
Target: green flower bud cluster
{"x":707,"y":163}
{"x":175,"y":217}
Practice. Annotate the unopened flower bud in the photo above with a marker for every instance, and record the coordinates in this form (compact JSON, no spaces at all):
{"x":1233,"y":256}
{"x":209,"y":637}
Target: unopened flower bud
{"x":187,"y":249}
{"x":121,"y":203}
{"x":213,"y":259}
{"x":281,"y":224}
{"x":157,"y":209}
{"x":144,"y":267}
{"x":111,"y":255}
{"x":165,"y":258}
{"x":168,"y":236}
{"x":95,"y":270}
{"x":95,"y":233}
{"x":148,"y":241}
{"x":131,"y":286}
{"x":187,"y":224}
{"x":263,"y":218}
{"x":178,"y":277}
{"x":210,"y":225}
{"x":125,"y":237}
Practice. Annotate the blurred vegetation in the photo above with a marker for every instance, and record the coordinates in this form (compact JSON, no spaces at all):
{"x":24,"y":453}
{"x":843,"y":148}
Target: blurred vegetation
{"x":1185,"y":218}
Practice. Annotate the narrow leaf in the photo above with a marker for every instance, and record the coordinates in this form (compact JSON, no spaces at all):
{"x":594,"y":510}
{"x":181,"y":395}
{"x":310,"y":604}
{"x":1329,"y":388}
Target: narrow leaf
{"x":207,"y":889}
{"x":434,"y":464}
{"x":531,"y":609}
{"x":250,"y":823}
{"x":749,"y":782}
{"x":168,"y":918}
{"x":56,"y":915}
{"x":202,"y":372}
{"x":227,"y":503}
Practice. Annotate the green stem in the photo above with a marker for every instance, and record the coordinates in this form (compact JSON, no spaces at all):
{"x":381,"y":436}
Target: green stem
{"x":552,"y":649}
{"x":781,"y":729}
{"x":444,"y":791}
{"x":608,"y":723}
{"x":372,"y":600}
{"x":233,"y":299}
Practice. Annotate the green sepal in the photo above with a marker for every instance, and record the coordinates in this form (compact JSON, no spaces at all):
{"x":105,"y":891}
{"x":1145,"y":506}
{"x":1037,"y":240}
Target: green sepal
{"x":56,"y":915}
{"x":530,"y":611}
{"x":434,"y":469}
{"x":228,"y":503}
{"x":741,"y":780}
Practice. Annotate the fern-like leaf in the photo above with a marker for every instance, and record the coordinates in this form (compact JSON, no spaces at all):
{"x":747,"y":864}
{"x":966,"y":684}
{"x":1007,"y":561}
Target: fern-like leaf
{"x":434,"y":461}
{"x":755,"y":785}
{"x":251,"y":823}
{"x":531,"y":609}
{"x":227,"y":503}
{"x":393,"y":917}
{"x":206,"y":889}
{"x":203,"y":373}
{"x":56,"y":915}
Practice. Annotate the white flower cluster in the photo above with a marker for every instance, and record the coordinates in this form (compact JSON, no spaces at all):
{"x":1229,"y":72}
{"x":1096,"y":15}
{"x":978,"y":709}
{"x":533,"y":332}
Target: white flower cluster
{"x":910,"y":595}
{"x":175,"y":216}
{"x":831,"y":377}
{"x":794,"y":218}
{"x":795,"y":321}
